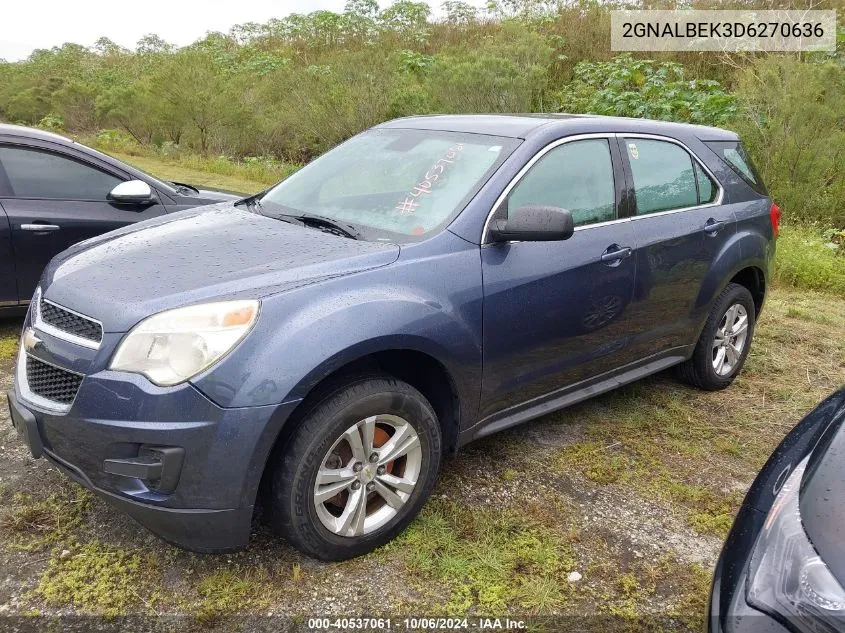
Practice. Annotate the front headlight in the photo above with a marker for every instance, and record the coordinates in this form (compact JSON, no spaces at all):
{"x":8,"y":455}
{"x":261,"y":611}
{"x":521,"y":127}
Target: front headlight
{"x":787,"y":577}
{"x":171,"y":347}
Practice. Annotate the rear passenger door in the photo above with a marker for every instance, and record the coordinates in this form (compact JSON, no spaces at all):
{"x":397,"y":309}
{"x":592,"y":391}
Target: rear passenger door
{"x":54,"y":200}
{"x":680,"y":227}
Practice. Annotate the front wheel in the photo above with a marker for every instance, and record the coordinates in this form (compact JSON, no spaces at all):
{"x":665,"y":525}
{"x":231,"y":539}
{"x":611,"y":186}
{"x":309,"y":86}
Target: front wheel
{"x":358,"y":469}
{"x":724,"y":342}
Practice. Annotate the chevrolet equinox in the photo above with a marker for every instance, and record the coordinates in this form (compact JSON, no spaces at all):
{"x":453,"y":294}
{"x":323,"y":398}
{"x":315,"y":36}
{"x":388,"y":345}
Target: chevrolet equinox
{"x":321,"y":345}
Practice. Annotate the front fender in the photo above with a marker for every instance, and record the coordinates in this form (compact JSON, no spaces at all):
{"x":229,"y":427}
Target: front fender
{"x":302,"y":337}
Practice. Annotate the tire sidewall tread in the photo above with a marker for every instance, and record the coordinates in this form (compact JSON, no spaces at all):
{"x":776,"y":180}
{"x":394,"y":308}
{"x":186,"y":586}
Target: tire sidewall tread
{"x":292,"y":513}
{"x":698,"y":370}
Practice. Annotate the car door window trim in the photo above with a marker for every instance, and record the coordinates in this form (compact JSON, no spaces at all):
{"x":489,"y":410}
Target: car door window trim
{"x":11,"y":195}
{"x":693,"y":157}
{"x":605,"y":135}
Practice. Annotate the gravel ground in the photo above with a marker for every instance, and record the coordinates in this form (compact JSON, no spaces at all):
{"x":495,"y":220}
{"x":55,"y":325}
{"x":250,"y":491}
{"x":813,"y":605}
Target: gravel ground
{"x":615,"y":508}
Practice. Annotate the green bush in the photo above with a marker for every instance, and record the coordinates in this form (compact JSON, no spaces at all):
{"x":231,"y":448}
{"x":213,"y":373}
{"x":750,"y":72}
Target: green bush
{"x":506,"y":73}
{"x":625,"y":86}
{"x":792,"y":123}
{"x":304,"y":111}
{"x":808,"y":257}
{"x":295,"y":86}
{"x":115,"y":141}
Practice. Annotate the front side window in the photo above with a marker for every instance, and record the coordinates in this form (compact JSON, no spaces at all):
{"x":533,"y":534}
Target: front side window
{"x":392,"y":184}
{"x":663,"y":174}
{"x":43,"y":175}
{"x":576,"y":176}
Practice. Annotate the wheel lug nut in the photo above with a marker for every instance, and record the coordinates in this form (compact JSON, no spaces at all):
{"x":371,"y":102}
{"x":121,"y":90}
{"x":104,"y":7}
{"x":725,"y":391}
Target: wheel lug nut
{"x":380,"y":470}
{"x":373,"y":458}
{"x":371,"y":486}
{"x":356,"y":485}
{"x":357,"y":467}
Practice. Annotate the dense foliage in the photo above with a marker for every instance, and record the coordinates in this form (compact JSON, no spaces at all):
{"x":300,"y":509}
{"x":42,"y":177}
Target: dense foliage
{"x":293,"y":87}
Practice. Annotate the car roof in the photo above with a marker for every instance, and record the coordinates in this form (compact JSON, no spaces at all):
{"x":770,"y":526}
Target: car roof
{"x":525,"y":125}
{"x":8,"y":129}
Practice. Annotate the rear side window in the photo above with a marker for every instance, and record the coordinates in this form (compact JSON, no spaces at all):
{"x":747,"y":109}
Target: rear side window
{"x":663,"y":173}
{"x":43,"y":175}
{"x":576,"y":176}
{"x":735,"y":155}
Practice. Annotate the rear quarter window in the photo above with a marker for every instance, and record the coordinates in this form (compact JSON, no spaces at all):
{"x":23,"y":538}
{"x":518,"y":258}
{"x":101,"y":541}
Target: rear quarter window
{"x":737,"y":158}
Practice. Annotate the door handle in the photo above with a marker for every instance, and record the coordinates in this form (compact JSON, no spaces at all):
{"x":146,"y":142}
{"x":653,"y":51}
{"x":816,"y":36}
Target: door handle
{"x":40,"y":228}
{"x":614,"y":254}
{"x":713,"y":226}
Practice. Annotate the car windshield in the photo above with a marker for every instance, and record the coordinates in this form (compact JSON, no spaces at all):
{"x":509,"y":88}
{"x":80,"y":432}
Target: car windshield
{"x":392,"y":184}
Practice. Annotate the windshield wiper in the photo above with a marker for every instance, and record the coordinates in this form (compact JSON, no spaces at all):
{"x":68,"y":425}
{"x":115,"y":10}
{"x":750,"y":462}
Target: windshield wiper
{"x":305,"y":219}
{"x":252,"y":201}
{"x":253,"y":204}
{"x":345,"y":228}
{"x":182,"y":187}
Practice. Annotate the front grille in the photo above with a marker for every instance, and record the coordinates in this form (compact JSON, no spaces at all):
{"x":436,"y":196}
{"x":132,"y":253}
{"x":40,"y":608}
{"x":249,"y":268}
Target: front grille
{"x":70,"y":322}
{"x":52,"y":383}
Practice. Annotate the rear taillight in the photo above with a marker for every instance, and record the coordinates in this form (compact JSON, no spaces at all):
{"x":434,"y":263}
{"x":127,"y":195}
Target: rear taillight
{"x":774,"y":214}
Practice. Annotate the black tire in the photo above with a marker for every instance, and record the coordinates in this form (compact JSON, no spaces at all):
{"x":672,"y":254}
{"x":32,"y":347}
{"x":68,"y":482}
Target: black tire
{"x":292,"y":512}
{"x":698,"y":370}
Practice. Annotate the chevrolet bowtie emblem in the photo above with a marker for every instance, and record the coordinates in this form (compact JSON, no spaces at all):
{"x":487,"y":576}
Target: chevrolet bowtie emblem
{"x":30,"y":341}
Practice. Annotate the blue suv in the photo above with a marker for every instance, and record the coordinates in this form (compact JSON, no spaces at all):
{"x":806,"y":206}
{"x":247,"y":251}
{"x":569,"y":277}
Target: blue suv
{"x":321,"y":345}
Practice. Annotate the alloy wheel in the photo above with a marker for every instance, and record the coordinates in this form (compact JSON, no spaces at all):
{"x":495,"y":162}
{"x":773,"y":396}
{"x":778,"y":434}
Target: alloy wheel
{"x":367,"y":475}
{"x":730,"y":339}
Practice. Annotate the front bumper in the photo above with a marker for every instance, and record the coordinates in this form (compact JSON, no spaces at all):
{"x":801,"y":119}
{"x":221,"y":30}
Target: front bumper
{"x":214,"y":457}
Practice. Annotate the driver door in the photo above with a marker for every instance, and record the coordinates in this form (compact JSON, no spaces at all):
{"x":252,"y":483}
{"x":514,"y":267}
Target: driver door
{"x":556,"y":313}
{"x":54,"y":200}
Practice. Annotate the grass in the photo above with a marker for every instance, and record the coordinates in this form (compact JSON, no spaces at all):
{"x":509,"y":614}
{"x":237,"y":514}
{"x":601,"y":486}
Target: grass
{"x":99,"y":579}
{"x":689,"y":454}
{"x":491,"y":561}
{"x":33,"y":522}
{"x":806,"y":258}
{"x":228,"y":591}
{"x":691,"y":449}
{"x":10,"y":332}
{"x":187,"y":172}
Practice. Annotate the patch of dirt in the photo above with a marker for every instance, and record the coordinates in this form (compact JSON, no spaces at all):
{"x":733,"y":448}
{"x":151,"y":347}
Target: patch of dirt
{"x":633,"y":527}
{"x":707,"y":443}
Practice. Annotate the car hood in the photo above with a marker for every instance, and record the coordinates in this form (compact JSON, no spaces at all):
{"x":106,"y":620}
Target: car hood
{"x":208,"y":253}
{"x":822,"y":498}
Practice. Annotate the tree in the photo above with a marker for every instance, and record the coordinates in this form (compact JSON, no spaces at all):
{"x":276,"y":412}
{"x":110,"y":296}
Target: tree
{"x":405,"y":17}
{"x":152,"y":44}
{"x":192,"y":86}
{"x":459,"y":13}
{"x":105,"y":47}
{"x":127,"y":107}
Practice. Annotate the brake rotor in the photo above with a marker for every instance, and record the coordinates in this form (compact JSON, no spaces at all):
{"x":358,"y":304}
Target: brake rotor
{"x":380,"y":436}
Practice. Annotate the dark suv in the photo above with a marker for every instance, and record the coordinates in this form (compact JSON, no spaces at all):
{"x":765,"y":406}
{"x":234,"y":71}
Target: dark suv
{"x":428,"y":282}
{"x":55,"y":192}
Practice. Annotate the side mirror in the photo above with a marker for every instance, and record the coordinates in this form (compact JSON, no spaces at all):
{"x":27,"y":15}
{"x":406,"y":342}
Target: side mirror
{"x":534,"y":223}
{"x":132,"y":192}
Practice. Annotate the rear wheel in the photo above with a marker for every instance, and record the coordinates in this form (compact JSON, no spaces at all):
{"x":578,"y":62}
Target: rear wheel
{"x":358,"y":469}
{"x":724,"y":342}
